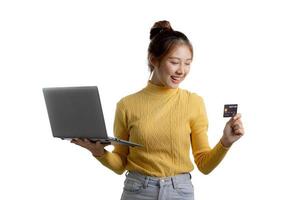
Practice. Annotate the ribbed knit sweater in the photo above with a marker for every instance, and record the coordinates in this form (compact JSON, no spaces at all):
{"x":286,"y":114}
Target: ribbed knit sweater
{"x":168,"y":122}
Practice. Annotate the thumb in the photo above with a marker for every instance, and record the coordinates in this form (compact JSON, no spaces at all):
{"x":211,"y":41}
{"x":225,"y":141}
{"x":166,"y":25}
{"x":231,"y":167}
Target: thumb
{"x":230,"y":121}
{"x":99,"y":143}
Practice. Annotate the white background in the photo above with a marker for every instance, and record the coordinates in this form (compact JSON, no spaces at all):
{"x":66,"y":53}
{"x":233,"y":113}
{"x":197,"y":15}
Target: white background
{"x":245,"y":52}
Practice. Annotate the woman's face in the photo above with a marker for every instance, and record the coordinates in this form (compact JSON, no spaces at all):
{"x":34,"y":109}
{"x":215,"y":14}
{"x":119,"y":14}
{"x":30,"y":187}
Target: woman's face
{"x":173,"y":68}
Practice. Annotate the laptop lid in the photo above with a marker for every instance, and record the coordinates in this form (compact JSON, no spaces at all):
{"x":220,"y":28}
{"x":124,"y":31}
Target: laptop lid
{"x":75,"y":112}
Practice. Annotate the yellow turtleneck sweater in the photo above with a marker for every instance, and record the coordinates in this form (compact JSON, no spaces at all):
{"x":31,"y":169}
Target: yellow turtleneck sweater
{"x":167,"y":122}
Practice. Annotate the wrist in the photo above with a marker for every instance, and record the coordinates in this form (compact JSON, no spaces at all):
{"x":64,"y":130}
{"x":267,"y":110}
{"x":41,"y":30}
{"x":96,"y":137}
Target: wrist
{"x":225,"y":142}
{"x":98,"y":154}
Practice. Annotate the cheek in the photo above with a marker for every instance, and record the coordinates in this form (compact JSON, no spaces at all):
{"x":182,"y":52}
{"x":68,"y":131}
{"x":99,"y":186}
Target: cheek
{"x":166,"y":70}
{"x":170,"y":69}
{"x":187,"y":70}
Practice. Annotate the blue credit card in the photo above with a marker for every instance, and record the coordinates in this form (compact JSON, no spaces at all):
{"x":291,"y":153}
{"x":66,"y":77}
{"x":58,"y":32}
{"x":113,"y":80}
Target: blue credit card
{"x":230,"y":110}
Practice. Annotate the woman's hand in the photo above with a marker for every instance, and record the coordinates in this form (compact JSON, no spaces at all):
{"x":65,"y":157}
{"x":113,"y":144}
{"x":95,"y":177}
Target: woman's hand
{"x":97,"y":149}
{"x":233,"y":130}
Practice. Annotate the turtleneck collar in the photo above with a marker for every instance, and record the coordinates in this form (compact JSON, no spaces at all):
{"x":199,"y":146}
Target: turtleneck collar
{"x":159,"y":90}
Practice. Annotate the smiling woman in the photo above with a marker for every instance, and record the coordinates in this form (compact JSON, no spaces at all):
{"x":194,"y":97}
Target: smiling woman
{"x":167,"y":121}
{"x":170,"y":54}
{"x":173,"y":68}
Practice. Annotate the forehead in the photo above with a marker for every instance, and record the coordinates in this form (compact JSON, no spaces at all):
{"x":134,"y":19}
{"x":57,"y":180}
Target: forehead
{"x":180,"y":51}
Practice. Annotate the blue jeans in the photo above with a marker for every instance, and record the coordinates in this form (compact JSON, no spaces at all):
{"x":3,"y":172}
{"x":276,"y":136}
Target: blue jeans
{"x":140,"y":187}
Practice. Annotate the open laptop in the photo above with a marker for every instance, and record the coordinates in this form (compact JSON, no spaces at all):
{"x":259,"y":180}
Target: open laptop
{"x":76,"y":112}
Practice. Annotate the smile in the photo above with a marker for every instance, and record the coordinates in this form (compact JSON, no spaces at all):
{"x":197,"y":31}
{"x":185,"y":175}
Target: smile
{"x":176,"y":79}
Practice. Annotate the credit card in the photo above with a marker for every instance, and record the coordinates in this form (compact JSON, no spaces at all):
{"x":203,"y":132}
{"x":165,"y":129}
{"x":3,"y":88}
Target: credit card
{"x":230,"y":110}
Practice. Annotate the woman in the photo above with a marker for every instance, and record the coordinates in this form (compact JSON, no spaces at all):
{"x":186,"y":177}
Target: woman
{"x":166,"y":120}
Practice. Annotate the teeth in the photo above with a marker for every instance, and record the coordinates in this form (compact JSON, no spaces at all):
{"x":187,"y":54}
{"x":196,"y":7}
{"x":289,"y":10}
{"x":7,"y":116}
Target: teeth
{"x":176,"y":78}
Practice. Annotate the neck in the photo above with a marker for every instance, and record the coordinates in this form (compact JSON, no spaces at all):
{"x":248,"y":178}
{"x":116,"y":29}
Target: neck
{"x":155,"y":80}
{"x":159,"y":90}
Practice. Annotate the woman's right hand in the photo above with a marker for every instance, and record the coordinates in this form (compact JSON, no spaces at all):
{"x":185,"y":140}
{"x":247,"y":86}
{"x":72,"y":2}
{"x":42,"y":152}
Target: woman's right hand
{"x":97,"y":149}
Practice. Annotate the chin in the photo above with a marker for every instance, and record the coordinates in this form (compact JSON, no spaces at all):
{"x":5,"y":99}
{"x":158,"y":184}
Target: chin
{"x":174,"y":86}
{"x":170,"y":84}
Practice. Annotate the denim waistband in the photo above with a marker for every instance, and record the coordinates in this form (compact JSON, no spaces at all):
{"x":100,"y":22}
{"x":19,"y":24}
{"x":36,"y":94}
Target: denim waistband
{"x":159,"y":181}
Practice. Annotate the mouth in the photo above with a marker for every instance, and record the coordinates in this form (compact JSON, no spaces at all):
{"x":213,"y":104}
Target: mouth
{"x":176,"y":79}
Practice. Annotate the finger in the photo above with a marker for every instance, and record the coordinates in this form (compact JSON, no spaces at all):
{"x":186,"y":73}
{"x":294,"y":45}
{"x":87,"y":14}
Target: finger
{"x":87,"y":141}
{"x":74,"y":140}
{"x":230,"y":121}
{"x":98,"y":143}
{"x":234,"y":118}
{"x":78,"y":143}
{"x":106,"y":144}
{"x":235,"y":127}
{"x":237,"y":122}
{"x":239,"y":131}
{"x":237,"y":116}
{"x":240,"y":122}
{"x":81,"y":142}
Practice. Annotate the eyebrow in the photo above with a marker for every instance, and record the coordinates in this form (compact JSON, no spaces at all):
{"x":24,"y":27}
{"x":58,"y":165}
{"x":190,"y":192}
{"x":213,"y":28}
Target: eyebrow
{"x":178,"y":58}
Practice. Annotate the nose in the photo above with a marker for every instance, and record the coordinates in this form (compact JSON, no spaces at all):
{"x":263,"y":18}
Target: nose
{"x":180,"y":70}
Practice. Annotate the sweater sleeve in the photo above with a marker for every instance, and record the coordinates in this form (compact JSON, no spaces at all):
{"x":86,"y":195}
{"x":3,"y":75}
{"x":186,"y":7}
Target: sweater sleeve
{"x":117,"y":159}
{"x":205,"y":158}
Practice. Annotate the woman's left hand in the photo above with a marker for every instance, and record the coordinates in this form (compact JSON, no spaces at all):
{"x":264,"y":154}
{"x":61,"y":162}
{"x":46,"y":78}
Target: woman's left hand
{"x":233,"y":130}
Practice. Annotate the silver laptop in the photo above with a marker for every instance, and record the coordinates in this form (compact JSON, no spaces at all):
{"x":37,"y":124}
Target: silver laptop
{"x":76,"y":112}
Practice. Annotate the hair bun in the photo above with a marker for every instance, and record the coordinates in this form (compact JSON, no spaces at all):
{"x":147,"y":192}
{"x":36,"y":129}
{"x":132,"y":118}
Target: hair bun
{"x":160,"y":26}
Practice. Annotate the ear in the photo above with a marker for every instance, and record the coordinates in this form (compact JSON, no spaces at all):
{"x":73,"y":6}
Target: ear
{"x":154,"y":62}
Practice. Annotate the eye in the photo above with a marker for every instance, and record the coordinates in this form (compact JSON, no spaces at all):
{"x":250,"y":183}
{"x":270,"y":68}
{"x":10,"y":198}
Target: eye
{"x":174,"y":63}
{"x":188,"y":64}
